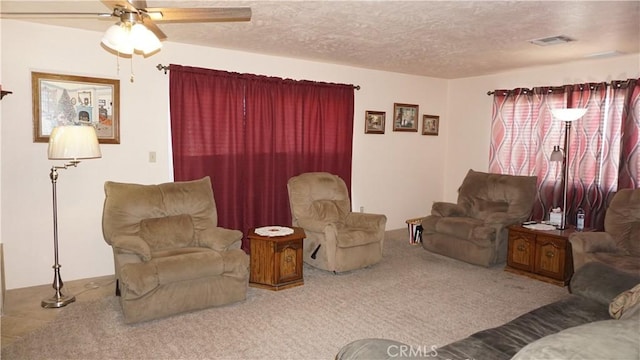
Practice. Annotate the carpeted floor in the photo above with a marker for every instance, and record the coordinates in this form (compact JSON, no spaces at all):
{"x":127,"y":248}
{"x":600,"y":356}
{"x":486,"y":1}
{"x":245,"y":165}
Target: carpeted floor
{"x":412,"y":296}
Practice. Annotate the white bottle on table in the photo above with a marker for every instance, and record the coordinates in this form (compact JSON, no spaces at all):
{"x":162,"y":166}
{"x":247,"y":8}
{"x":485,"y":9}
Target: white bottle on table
{"x":580,"y":220}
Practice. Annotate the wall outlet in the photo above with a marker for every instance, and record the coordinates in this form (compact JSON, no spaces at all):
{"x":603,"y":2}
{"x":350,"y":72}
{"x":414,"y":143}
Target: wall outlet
{"x":152,"y":156}
{"x":361,"y":209}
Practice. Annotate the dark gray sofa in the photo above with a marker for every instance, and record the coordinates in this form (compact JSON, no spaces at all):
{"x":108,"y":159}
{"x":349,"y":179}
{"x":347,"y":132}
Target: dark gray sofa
{"x":592,"y":288}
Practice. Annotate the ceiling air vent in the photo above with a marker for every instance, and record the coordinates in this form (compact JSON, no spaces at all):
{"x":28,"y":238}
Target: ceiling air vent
{"x":552,"y":40}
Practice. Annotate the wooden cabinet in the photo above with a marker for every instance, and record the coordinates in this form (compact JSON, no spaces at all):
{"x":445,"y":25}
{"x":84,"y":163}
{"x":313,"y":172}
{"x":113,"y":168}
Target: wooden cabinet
{"x":276,"y":262}
{"x":544,"y":255}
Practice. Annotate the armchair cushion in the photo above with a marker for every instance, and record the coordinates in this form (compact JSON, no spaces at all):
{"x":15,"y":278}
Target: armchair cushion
{"x":622,"y":220}
{"x":446,"y":209}
{"x":485,"y":208}
{"x":141,"y":278}
{"x":328,"y":210}
{"x":219,"y":239}
{"x":460,"y":227}
{"x":168,"y":232}
{"x":350,"y":237}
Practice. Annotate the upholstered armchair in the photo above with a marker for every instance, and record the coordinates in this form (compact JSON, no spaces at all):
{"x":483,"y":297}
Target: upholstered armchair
{"x":169,"y":254}
{"x":474,"y":229}
{"x":619,"y":244}
{"x":337,"y":239}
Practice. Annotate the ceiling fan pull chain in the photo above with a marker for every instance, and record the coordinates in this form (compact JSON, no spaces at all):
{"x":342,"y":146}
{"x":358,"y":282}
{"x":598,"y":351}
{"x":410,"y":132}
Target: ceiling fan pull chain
{"x":132,"y":75}
{"x":118,"y":63}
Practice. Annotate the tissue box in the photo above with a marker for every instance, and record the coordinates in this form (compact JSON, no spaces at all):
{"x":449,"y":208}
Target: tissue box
{"x":555,"y":218}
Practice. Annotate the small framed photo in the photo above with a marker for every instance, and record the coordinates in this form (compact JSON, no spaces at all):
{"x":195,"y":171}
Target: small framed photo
{"x":405,"y":117}
{"x":75,"y":100}
{"x":430,"y":124}
{"x":374,"y":122}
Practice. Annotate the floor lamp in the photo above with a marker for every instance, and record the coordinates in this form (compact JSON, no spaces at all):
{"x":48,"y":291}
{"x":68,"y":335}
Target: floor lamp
{"x":66,"y":143}
{"x":568,"y":116}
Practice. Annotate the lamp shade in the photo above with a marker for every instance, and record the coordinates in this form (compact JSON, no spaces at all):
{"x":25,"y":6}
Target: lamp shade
{"x":74,"y":142}
{"x":557,"y":154}
{"x":571,"y":114}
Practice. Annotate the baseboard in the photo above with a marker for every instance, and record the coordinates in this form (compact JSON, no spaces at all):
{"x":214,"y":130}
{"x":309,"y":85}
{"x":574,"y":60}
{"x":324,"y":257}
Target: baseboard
{"x":2,"y":283}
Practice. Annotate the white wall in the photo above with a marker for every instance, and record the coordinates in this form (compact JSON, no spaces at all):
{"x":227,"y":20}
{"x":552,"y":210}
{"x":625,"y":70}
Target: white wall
{"x":398,"y":174}
{"x":470,"y":107}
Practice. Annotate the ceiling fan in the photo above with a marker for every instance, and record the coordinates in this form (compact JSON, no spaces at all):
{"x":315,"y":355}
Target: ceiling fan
{"x":132,"y":13}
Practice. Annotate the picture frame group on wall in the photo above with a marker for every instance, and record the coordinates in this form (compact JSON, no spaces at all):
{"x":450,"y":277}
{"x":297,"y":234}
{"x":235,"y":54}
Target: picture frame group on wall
{"x":430,"y":124}
{"x":75,"y":100}
{"x":405,"y":117}
{"x":374,"y":122}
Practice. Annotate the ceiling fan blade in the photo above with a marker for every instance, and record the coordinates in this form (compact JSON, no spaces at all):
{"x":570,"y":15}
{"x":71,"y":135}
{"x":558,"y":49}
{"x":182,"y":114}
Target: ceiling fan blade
{"x":138,"y":4}
{"x":154,"y":29}
{"x":202,"y":14}
{"x":112,"y":4}
{"x":60,"y":15}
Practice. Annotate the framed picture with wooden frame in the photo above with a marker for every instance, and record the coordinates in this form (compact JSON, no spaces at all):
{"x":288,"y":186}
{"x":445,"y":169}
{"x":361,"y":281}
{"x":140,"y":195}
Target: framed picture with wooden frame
{"x":374,"y":122}
{"x":430,"y":124}
{"x":405,"y":117}
{"x":75,"y":100}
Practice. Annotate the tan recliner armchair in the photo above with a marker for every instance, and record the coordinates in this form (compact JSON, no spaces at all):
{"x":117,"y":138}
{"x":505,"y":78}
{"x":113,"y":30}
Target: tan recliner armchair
{"x":169,"y":254}
{"x":619,"y":244}
{"x":474,"y":229}
{"x":337,"y":239}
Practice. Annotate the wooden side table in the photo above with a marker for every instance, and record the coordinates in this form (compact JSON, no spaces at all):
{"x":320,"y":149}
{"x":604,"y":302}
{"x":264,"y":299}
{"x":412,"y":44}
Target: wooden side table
{"x":543,"y":255}
{"x":276,"y":261}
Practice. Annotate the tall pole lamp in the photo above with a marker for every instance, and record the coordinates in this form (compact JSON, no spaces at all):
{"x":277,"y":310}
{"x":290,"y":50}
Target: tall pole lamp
{"x":568,"y":116}
{"x":66,"y":143}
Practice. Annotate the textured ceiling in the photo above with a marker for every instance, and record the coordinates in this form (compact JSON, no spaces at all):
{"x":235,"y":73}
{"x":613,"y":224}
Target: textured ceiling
{"x":444,"y":39}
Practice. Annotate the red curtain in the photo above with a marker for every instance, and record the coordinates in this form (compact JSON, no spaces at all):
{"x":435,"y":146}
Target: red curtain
{"x":603,"y":150}
{"x":251,"y":133}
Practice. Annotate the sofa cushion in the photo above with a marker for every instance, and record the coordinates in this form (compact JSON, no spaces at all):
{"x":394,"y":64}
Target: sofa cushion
{"x":588,"y":341}
{"x":376,"y":349}
{"x":601,"y":282}
{"x":168,"y":232}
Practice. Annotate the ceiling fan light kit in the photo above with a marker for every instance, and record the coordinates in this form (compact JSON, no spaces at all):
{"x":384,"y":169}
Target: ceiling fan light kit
{"x":127,"y":38}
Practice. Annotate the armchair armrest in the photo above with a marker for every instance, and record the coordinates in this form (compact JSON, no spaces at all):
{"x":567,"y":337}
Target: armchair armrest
{"x":131,"y":244}
{"x":366,"y":221}
{"x":590,"y":242}
{"x":501,"y":219}
{"x":445,"y":209}
{"x":219,"y":239}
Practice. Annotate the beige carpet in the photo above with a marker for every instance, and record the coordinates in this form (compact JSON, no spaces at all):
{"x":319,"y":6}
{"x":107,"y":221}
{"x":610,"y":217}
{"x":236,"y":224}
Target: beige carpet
{"x":412,"y":296}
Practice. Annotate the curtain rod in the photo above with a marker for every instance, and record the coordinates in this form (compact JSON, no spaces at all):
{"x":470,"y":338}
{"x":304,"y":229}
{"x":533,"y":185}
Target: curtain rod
{"x":616,"y":83}
{"x":161,"y":67}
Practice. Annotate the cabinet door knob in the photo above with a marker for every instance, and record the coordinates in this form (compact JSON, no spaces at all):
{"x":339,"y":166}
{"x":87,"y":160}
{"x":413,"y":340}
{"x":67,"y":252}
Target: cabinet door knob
{"x":550,"y":254}
{"x":521,"y":247}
